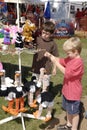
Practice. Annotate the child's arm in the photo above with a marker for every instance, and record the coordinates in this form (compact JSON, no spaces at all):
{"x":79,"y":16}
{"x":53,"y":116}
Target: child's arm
{"x":54,"y":69}
{"x":55,"y":61}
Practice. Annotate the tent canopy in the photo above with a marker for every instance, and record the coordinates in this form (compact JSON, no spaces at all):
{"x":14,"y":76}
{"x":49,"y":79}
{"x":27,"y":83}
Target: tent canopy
{"x":24,"y":1}
{"x":42,"y":1}
{"x":77,"y":1}
{"x":60,"y":9}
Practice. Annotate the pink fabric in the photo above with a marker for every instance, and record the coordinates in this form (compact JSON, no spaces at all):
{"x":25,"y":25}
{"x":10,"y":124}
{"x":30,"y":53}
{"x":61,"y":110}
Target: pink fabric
{"x":74,"y":69}
{"x":13,"y":30}
{"x":1,"y":66}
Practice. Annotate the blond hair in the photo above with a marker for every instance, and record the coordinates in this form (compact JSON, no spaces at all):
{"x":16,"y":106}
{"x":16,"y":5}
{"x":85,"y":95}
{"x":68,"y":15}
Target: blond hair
{"x":72,"y":44}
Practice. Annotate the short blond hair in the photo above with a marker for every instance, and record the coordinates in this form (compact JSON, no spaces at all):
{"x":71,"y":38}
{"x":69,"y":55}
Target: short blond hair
{"x":72,"y":44}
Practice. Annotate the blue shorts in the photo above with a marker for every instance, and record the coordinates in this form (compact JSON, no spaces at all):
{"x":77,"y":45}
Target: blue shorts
{"x":72,"y":107}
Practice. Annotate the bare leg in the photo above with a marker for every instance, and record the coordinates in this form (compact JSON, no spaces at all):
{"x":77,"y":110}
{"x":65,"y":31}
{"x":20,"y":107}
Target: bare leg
{"x":49,"y":112}
{"x":30,"y":98}
{"x":69,"y":119}
{"x":31,"y":102}
{"x":75,"y":121}
{"x":42,"y":71}
{"x":38,"y":113}
{"x":22,"y":107}
{"x":39,"y":83}
{"x":45,"y":82}
{"x":40,"y":110}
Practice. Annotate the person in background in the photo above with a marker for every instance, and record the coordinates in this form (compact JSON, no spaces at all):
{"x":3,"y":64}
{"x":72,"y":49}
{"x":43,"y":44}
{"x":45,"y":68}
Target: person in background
{"x":73,"y":69}
{"x":78,"y":16}
{"x":82,"y":12}
{"x":85,"y":12}
{"x":44,"y":43}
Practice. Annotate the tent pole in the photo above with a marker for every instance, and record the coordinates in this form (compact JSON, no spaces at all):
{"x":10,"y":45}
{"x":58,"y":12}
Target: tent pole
{"x":69,"y":10}
{"x":18,"y":13}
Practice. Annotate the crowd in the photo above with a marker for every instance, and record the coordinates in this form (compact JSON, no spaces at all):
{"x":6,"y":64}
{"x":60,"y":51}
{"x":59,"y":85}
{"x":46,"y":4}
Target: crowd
{"x":80,"y":14}
{"x":31,"y":12}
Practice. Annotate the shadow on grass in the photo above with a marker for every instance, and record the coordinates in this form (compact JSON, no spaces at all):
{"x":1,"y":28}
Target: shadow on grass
{"x":11,"y":68}
{"x":81,"y":115}
{"x":82,"y":110}
{"x":50,"y":124}
{"x":55,"y":90}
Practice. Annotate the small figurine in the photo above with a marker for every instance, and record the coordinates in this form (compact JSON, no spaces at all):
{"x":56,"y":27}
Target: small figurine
{"x":32,"y":87}
{"x":3,"y":87}
{"x":13,"y":30}
{"x":28,"y":29}
{"x":35,"y":87}
{"x":6,"y":33}
{"x":15,"y":96}
{"x":7,"y":36}
{"x":4,"y":91}
{"x":45,"y":100}
{"x":19,"y":40}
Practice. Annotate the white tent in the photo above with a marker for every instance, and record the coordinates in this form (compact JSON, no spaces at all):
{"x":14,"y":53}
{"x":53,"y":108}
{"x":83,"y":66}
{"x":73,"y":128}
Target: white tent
{"x":24,"y":1}
{"x":64,"y":9}
{"x":60,"y":9}
{"x":76,"y":1}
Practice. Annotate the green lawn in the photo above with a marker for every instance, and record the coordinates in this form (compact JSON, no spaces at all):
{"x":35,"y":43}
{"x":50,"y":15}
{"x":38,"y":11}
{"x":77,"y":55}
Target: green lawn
{"x":11,"y":62}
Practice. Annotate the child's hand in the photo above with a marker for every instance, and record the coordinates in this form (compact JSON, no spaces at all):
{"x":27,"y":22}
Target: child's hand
{"x":52,"y":58}
{"x":54,"y":72}
{"x":47,"y":54}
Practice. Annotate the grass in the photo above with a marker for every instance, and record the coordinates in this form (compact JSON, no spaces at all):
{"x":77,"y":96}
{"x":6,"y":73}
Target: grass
{"x":33,"y":124}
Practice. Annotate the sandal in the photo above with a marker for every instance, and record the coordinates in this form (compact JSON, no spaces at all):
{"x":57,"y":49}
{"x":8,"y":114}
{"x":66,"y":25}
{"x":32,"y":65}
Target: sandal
{"x":64,"y":127}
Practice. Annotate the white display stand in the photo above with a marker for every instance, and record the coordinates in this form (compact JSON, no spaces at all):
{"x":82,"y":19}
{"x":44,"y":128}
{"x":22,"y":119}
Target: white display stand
{"x":21,"y":115}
